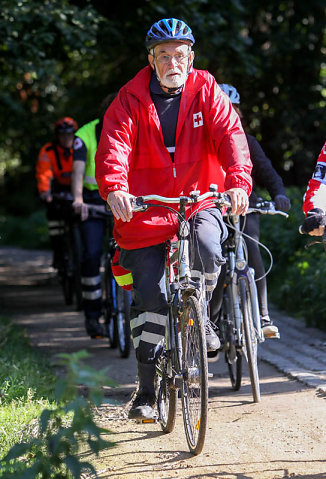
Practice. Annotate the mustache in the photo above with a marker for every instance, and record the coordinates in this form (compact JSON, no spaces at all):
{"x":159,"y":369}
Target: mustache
{"x":172,"y":71}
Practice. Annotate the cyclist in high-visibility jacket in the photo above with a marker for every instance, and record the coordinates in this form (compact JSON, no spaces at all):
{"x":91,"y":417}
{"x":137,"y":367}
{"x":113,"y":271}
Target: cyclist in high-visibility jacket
{"x":53,"y":175}
{"x":85,"y":191}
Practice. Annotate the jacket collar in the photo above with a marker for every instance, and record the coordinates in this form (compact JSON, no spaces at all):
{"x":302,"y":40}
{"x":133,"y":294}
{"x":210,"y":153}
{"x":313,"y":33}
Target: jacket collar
{"x":139,"y":87}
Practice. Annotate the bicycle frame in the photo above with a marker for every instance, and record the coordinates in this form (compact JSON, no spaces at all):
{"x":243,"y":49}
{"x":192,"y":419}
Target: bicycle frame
{"x":176,"y":285}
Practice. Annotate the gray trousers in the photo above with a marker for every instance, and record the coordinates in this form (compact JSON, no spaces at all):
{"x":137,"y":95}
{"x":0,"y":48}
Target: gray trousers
{"x":149,"y":309}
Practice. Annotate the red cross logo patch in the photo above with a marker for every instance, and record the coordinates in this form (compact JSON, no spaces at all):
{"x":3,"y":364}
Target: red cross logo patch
{"x":198,"y":119}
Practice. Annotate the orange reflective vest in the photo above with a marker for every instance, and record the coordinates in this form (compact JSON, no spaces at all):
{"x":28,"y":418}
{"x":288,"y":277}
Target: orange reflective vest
{"x":53,"y":163}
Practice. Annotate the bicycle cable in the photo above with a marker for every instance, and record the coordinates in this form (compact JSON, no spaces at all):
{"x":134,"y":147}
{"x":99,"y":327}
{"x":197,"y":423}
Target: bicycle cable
{"x":255,"y":241}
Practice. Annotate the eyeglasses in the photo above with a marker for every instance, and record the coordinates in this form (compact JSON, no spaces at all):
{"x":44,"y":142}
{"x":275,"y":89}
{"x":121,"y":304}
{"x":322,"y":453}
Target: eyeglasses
{"x":166,"y":59}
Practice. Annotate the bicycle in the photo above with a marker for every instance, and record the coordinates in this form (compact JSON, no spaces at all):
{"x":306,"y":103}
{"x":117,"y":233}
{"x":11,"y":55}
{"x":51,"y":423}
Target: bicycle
{"x":182,"y":365}
{"x":239,"y":320}
{"x":69,"y":271}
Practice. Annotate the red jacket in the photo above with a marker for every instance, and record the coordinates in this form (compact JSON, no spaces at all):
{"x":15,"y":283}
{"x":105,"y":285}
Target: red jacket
{"x":210,"y":147}
{"x":315,"y":196}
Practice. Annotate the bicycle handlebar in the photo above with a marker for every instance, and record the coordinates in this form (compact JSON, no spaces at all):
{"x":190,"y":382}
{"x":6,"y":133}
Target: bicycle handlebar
{"x":266,"y":208}
{"x":139,"y":203}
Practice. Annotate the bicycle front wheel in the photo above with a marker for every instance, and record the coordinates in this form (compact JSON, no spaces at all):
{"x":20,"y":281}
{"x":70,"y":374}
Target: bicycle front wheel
{"x":251,"y":343}
{"x":233,"y":356}
{"x":194,"y":391}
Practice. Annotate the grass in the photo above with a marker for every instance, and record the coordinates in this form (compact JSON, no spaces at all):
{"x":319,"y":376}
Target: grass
{"x":26,"y":386}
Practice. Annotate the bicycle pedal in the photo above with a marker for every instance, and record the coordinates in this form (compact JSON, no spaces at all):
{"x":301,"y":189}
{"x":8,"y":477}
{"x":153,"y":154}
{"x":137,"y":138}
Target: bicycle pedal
{"x":148,"y":421}
{"x":273,"y":336}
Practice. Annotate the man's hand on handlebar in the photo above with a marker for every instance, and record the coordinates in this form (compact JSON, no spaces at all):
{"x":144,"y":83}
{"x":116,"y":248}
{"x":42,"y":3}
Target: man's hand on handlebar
{"x":239,"y":200}
{"x":80,"y":208}
{"x":120,"y":204}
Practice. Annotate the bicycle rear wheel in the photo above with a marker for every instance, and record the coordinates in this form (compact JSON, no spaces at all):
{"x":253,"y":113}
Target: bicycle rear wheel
{"x":77,"y":257}
{"x":123,"y":320}
{"x":251,"y":343}
{"x":233,"y":356}
{"x":194,"y":390}
{"x":67,"y":282}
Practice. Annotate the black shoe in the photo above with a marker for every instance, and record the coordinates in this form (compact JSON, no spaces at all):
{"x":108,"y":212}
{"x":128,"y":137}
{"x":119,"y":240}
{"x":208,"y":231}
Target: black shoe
{"x":212,"y":340}
{"x":93,"y":328}
{"x":143,"y":407}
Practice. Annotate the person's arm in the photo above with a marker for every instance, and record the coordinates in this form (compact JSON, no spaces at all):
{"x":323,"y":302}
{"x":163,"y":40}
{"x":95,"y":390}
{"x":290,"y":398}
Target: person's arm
{"x":231,"y":149}
{"x":265,"y":175}
{"x":314,"y":200}
{"x":111,"y":159}
{"x":77,"y":178}
{"x":315,"y":196}
{"x":78,"y":171}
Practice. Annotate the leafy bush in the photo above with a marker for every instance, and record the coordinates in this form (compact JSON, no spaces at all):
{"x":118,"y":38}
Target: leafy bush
{"x":298,"y":278}
{"x":54,"y":451}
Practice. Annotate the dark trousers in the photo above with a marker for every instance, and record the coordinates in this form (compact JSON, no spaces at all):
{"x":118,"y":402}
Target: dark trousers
{"x":92,"y":235}
{"x":149,"y":308}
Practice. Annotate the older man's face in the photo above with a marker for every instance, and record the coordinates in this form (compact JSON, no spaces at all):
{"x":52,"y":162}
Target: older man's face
{"x":172,"y":61}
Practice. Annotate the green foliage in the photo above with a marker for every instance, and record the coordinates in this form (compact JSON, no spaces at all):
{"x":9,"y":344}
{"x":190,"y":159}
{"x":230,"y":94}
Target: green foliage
{"x":298,"y":279}
{"x":26,"y":386}
{"x":63,"y":57}
{"x":24,"y":372}
{"x":31,"y":232}
{"x":55,"y":451}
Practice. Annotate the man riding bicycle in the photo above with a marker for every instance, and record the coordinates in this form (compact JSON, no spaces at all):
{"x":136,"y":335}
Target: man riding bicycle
{"x":53,"y":175}
{"x":169,"y":131}
{"x":85,"y":192}
{"x":314,"y":200}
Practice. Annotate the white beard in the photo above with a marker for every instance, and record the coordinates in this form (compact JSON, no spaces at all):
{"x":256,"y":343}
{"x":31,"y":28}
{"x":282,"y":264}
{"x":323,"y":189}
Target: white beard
{"x":174,"y":82}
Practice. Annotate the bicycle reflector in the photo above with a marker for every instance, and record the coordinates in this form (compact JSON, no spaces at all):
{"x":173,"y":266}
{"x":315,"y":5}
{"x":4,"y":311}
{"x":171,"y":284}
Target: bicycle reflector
{"x":122,"y":276}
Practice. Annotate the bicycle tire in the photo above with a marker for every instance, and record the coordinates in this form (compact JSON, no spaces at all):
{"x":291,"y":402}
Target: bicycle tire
{"x":166,"y":399}
{"x":122,"y":318}
{"x":233,"y":356}
{"x":251,"y":343}
{"x":77,"y":254}
{"x":194,"y":390}
{"x":68,"y":288}
{"x":110,"y":305}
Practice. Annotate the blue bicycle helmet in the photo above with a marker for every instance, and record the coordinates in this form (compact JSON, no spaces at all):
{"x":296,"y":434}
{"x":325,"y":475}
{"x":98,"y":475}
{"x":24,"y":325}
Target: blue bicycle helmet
{"x":232,"y":92}
{"x":166,"y":30}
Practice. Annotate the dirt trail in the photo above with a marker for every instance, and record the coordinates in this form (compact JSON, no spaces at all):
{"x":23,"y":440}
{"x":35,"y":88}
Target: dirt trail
{"x":282,"y":437}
